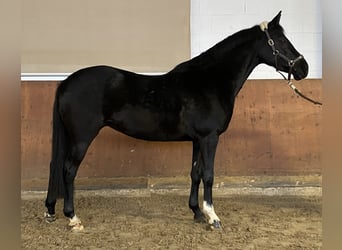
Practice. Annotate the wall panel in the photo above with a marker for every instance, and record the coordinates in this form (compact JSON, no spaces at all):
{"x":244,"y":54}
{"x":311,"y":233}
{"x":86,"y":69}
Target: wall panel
{"x":272,"y":132}
{"x":144,"y":36}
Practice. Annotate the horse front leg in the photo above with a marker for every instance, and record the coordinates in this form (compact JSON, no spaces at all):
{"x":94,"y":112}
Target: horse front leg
{"x":208,"y":149}
{"x":196,"y":175}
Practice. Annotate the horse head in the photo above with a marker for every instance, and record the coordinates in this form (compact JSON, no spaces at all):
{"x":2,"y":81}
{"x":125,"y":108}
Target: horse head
{"x":277,"y":51}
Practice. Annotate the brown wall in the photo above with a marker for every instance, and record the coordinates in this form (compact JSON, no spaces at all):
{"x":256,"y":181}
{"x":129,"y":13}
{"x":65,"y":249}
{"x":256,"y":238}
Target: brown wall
{"x":64,"y":36}
{"x":273,"y":132}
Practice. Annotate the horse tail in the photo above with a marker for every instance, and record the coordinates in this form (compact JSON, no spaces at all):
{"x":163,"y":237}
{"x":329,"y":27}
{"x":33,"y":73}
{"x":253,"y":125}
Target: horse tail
{"x":60,"y":146}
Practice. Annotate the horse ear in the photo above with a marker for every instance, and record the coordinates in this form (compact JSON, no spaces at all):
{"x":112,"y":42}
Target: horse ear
{"x":275,"y":21}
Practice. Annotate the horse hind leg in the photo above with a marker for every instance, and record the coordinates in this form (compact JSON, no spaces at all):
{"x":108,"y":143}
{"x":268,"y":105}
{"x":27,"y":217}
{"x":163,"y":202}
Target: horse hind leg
{"x":51,"y":199}
{"x":72,"y":164}
{"x":50,"y":204}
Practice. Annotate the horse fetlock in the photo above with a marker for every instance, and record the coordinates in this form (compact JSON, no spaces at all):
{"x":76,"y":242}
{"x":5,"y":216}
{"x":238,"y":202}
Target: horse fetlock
{"x":209,"y":211}
{"x":199,"y":216}
{"x":69,"y":212}
{"x":50,"y":205}
{"x":75,"y":224}
{"x":49,"y":218}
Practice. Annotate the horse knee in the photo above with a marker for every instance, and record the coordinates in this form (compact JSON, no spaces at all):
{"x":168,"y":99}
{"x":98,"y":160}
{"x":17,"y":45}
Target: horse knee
{"x":195,"y":178}
{"x":208,"y":180}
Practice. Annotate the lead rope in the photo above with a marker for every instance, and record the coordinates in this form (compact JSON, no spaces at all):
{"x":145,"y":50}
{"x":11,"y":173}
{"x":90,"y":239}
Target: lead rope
{"x":296,"y":90}
{"x":291,"y":63}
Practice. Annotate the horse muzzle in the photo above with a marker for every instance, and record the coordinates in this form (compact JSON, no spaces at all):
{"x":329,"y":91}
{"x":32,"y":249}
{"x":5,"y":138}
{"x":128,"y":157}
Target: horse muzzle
{"x":300,"y":68}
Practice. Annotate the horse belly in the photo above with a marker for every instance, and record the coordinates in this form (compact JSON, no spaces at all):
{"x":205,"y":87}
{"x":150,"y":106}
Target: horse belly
{"x":147,"y":125}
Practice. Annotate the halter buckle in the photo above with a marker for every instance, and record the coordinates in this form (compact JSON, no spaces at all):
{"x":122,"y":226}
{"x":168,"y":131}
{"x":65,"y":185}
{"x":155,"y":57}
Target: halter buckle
{"x":276,"y":52}
{"x":270,"y":42}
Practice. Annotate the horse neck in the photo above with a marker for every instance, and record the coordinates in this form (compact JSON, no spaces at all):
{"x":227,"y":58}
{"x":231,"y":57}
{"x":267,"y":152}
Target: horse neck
{"x":236,"y":65}
{"x":227,"y":64}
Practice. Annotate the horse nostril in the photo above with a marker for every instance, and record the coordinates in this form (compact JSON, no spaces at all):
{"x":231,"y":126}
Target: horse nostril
{"x":303,"y":68}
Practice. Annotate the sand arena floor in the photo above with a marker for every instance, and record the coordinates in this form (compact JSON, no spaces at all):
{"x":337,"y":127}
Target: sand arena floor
{"x":145,"y":219}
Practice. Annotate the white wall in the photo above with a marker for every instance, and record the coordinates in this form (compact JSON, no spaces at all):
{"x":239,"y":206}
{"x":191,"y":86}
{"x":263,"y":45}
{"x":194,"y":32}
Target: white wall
{"x":213,"y":20}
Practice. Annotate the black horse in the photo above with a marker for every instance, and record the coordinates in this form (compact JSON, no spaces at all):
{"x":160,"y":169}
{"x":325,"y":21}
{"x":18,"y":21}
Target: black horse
{"x":193,"y":102}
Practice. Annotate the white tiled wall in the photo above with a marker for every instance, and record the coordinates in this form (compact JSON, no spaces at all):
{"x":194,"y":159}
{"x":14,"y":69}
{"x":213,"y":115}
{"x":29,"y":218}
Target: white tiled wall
{"x":213,"y":20}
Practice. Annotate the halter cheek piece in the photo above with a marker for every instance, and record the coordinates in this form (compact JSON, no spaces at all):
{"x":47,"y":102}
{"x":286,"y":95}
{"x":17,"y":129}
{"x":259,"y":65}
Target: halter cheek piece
{"x":276,"y":53}
{"x":291,"y":63}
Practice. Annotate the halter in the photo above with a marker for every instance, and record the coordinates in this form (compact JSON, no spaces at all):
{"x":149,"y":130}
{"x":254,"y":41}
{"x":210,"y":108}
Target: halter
{"x":276,"y":53}
{"x":291,"y":63}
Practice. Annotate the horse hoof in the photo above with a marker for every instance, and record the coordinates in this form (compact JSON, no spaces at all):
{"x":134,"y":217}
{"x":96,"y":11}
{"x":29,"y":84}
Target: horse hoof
{"x":49,"y":218}
{"x":215,"y":225}
{"x":77,"y":228}
{"x":75,"y":224}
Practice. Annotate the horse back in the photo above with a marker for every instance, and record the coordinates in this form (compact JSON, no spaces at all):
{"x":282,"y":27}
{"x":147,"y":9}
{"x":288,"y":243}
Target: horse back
{"x":165,"y":107}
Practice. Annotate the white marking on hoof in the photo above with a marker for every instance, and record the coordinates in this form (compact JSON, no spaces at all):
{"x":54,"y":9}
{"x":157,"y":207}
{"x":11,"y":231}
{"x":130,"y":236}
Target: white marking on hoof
{"x":208,"y":209}
{"x":76,"y":224}
{"x":49,"y":218}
